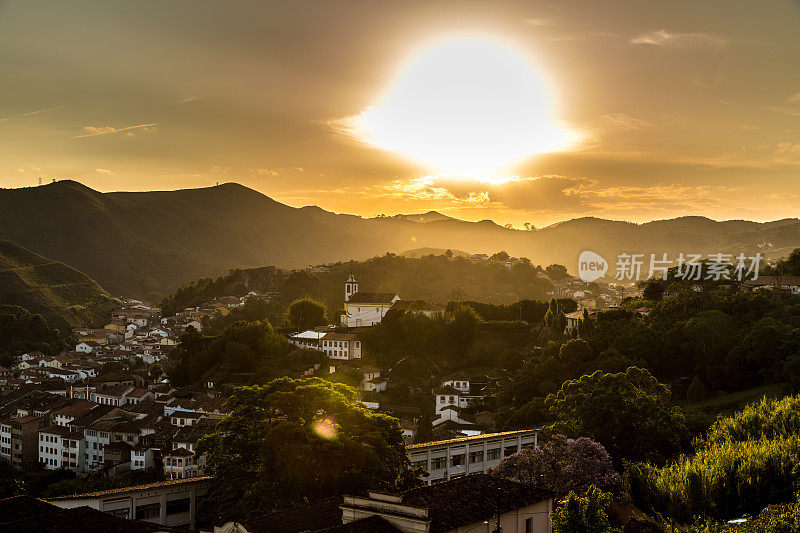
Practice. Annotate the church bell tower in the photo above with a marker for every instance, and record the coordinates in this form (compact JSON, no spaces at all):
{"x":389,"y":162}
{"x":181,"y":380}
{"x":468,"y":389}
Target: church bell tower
{"x":350,"y":287}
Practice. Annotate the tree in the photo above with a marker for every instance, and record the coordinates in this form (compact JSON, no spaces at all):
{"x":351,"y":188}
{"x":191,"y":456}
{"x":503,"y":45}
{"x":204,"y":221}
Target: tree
{"x":500,"y":257}
{"x":628,"y":413}
{"x":464,"y":325}
{"x":298,"y":440}
{"x":557,"y":272}
{"x":576,"y":355}
{"x":156,"y":371}
{"x":583,"y":514}
{"x":555,"y":320}
{"x":585,"y":326}
{"x":696,"y":391}
{"x":561,"y":465}
{"x":305,"y":313}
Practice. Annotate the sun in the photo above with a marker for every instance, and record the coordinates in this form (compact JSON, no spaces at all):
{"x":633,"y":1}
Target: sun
{"x":466,"y":106}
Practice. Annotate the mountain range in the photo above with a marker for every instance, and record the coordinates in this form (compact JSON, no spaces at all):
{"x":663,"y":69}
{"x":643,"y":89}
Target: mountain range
{"x":143,"y":244}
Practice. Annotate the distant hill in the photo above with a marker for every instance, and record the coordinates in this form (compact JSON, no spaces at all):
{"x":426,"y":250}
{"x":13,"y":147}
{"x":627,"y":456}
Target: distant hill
{"x":421,"y":252}
{"x":430,"y":216}
{"x":436,"y":279}
{"x":144,"y":244}
{"x":64,"y":296}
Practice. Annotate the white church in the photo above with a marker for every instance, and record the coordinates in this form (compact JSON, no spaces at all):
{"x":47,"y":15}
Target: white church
{"x":364,"y":308}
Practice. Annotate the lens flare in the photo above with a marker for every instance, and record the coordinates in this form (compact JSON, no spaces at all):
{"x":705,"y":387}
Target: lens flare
{"x":324,"y":428}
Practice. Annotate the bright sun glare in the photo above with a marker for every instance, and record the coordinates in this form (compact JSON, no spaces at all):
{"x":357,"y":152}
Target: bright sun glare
{"x":465,"y":106}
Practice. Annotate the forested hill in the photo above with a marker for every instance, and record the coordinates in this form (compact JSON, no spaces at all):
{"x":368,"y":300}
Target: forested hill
{"x":144,"y":244}
{"x":62,"y":295}
{"x":436,"y":279}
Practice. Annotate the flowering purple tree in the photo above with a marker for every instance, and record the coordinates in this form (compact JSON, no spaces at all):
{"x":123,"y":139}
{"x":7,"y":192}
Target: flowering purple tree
{"x":561,"y":465}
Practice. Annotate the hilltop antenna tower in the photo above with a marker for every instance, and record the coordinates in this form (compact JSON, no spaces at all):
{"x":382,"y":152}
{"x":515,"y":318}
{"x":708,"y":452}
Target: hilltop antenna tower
{"x":39,"y":179}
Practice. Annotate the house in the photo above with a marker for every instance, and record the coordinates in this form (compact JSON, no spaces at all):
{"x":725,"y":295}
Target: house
{"x":364,"y":308}
{"x":467,"y":455}
{"x":168,"y":503}
{"x":469,"y":503}
{"x":142,"y":457}
{"x":5,"y":439}
{"x":180,"y":463}
{"x":372,"y":380}
{"x":60,"y":447}
{"x":25,"y":440}
{"x":86,"y":346}
{"x":574,"y":317}
{"x":307,"y":339}
{"x":459,"y":381}
{"x":343,"y":346}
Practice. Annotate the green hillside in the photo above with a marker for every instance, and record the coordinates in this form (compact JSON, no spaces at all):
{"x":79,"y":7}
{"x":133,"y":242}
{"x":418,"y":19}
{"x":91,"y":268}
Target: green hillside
{"x":64,"y":296}
{"x":435,"y":279}
{"x":145,"y":244}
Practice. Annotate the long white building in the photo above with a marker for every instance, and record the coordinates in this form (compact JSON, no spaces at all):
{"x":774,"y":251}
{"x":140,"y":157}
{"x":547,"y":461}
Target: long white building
{"x":453,"y":458}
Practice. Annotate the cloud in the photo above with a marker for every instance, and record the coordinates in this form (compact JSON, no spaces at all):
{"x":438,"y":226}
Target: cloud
{"x":666,"y":39}
{"x":105,"y":171}
{"x":795,"y":98}
{"x":35,"y":112}
{"x":628,"y":122}
{"x":545,"y":195}
{"x":218,"y":169}
{"x":266,"y":172}
{"x":188,"y":99}
{"x":788,"y":149}
{"x":105,"y":130}
{"x":275,"y":171}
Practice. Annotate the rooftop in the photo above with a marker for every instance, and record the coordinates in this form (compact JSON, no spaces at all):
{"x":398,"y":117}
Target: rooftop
{"x":502,"y":434}
{"x":134,"y":488}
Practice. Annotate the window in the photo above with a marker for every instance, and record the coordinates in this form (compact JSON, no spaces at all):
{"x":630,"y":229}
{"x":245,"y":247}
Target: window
{"x":150,"y":510}
{"x":438,"y":462}
{"x":510,"y":450}
{"x":529,"y":525}
{"x":452,"y":399}
{"x":178,"y":506}
{"x":493,"y":454}
{"x":457,"y":460}
{"x":420,"y":464}
{"x":476,"y":457}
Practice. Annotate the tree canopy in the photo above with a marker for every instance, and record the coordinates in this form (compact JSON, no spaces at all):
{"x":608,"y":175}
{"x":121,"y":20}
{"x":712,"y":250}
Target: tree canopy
{"x":628,"y":413}
{"x":293,"y":440}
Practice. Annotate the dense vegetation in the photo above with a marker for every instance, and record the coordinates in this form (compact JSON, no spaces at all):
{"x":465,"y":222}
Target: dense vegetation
{"x":435,"y":279}
{"x":702,"y":343}
{"x":326,"y":440}
{"x":253,"y":350}
{"x":742,"y":463}
{"x":21,"y":332}
{"x":64,"y":296}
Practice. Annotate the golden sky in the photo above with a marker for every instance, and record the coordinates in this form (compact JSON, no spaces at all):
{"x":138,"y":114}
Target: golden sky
{"x":676,"y":108}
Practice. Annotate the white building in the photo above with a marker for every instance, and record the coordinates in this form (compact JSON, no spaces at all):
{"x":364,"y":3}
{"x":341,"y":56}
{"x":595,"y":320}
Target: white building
{"x":343,"y":346}
{"x":168,"y":503}
{"x":307,"y":339}
{"x":5,"y":440}
{"x":142,"y":458}
{"x":364,"y":308}
{"x":453,"y":458}
{"x":59,"y":447}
